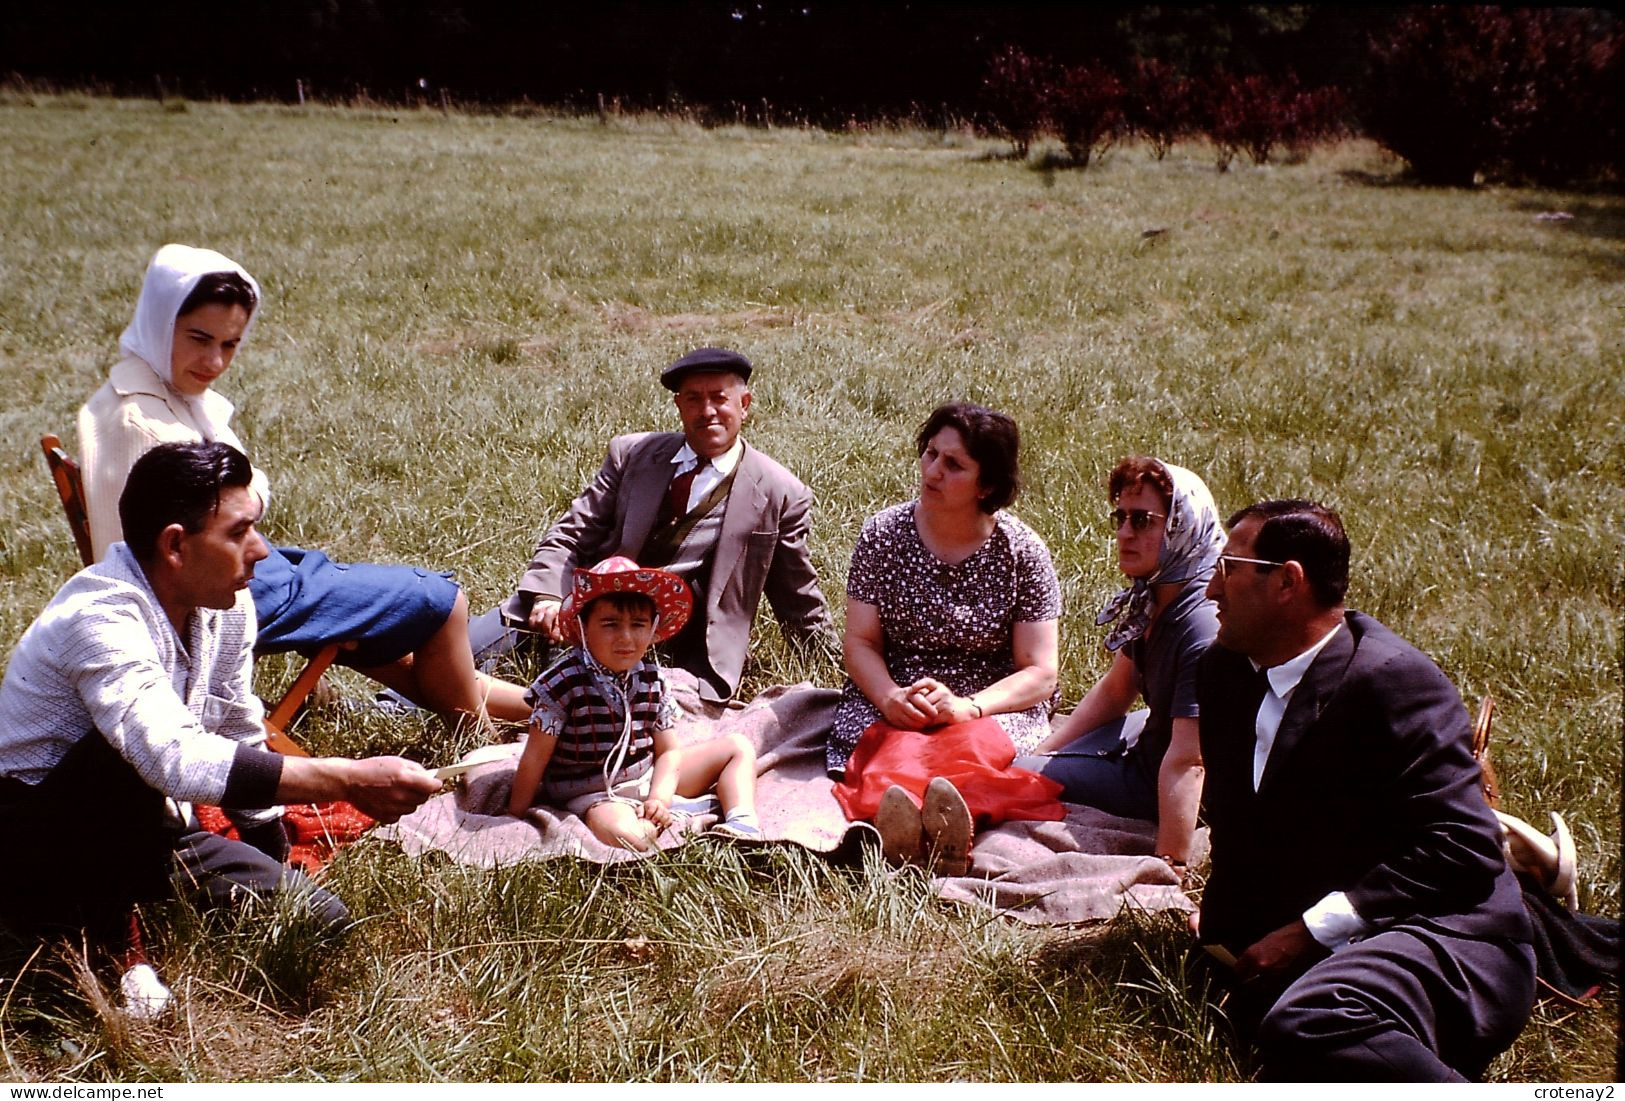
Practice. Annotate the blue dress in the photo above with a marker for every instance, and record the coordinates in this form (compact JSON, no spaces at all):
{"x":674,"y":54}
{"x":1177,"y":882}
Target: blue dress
{"x":304,"y":601}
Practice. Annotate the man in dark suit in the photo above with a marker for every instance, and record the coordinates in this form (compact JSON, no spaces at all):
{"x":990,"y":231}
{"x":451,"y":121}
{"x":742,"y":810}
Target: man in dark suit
{"x":1357,"y":873}
{"x":703,"y":504}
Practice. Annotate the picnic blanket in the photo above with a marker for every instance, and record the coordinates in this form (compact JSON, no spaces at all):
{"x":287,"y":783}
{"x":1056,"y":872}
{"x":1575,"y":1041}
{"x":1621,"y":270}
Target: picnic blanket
{"x":1086,"y":867}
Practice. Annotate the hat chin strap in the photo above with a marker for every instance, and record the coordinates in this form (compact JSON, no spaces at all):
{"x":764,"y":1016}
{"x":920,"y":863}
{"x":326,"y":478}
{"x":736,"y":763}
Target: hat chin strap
{"x":623,"y":746}
{"x":616,"y":758}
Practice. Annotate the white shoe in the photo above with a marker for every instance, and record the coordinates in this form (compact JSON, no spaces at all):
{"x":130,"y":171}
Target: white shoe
{"x":144,"y":993}
{"x":737,"y":830}
{"x":1551,"y":859}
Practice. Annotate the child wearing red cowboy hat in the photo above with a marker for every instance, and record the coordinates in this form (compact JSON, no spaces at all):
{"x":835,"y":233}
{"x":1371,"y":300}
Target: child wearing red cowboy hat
{"x":602,"y":739}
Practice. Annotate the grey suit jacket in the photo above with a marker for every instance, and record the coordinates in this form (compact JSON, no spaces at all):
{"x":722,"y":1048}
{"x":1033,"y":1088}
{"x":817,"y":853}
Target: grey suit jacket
{"x":762,"y":548}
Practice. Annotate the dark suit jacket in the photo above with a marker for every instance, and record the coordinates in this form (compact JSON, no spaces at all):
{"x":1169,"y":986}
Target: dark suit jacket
{"x":762,"y":548}
{"x":1370,"y":789}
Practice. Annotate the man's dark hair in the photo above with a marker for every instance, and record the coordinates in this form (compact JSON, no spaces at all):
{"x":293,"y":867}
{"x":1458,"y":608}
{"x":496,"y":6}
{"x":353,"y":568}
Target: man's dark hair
{"x":177,"y":483}
{"x":1310,"y":534}
{"x":991,"y":438}
{"x":222,"y":288}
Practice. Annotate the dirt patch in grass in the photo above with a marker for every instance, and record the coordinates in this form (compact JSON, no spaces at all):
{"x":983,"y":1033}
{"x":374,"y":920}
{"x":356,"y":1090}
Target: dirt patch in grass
{"x":236,"y":1040}
{"x":627,"y":318}
{"x":933,"y":324}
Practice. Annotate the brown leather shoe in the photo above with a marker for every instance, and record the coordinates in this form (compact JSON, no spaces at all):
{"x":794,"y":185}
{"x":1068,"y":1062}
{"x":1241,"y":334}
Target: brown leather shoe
{"x":948,"y":826}
{"x":902,"y":839}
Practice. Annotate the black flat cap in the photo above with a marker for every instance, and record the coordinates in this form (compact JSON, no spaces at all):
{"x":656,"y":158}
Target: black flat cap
{"x":705,"y":359}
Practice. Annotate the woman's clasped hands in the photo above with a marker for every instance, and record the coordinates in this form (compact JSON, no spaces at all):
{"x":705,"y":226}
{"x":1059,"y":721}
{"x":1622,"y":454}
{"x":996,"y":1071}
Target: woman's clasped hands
{"x":925,"y":704}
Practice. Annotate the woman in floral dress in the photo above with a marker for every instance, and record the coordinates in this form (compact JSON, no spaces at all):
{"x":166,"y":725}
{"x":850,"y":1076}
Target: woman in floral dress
{"x":952,"y":603}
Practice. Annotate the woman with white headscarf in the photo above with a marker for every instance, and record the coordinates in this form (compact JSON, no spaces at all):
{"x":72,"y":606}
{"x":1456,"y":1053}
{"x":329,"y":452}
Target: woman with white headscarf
{"x":404,"y":627}
{"x":1147,"y":764}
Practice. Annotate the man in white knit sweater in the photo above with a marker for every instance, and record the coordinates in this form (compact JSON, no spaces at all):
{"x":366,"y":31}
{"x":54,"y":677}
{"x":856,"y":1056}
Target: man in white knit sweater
{"x":131,"y":696}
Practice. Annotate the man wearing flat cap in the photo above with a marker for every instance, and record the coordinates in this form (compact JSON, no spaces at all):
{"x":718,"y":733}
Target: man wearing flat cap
{"x":707,"y":506}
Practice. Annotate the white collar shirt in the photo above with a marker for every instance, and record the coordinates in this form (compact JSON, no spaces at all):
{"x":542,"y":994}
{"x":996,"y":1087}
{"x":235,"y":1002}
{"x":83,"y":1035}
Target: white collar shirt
{"x":1283,"y":680}
{"x":707,"y":479}
{"x":1332,"y":921}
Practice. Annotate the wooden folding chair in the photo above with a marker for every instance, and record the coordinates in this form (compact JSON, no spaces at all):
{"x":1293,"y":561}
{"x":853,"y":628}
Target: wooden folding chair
{"x":1489,"y":783}
{"x":70,"y":487}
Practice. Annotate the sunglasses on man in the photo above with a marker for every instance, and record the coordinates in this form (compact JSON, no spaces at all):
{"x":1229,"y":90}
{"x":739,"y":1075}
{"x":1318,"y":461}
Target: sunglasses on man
{"x":1227,"y":560}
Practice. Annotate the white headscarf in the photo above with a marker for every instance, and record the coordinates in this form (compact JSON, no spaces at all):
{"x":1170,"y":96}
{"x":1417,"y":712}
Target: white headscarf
{"x":174,"y":272}
{"x":1191,"y":541}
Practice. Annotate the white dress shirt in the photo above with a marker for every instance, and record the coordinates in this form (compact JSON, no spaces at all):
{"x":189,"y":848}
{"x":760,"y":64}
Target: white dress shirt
{"x":706,"y":480}
{"x":1332,"y":921}
{"x":1283,"y":680}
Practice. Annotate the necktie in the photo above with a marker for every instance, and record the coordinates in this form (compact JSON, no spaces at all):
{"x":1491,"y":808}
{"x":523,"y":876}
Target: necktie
{"x":1258,"y":686}
{"x":682,"y":484}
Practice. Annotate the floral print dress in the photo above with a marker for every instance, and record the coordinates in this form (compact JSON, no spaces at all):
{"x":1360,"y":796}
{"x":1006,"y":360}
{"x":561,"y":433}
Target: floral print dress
{"x":955,"y":623}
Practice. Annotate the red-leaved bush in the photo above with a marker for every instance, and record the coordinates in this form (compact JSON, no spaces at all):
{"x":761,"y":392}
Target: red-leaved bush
{"x":1086,"y":110}
{"x":1515,"y":93}
{"x":1016,"y":90}
{"x":1256,"y":114}
{"x":1158,"y":104}
{"x":1243,"y":113}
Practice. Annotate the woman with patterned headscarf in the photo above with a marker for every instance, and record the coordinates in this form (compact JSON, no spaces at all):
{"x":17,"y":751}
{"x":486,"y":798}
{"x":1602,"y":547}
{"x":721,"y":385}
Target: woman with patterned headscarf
{"x":1147,"y":764}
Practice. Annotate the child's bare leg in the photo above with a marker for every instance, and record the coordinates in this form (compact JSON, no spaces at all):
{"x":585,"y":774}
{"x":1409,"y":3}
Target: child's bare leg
{"x":736,"y":787}
{"x":615,"y":823}
{"x":728,"y":763}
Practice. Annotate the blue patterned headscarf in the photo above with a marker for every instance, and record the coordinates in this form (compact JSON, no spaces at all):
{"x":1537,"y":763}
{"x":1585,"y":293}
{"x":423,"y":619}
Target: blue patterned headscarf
{"x":1191,"y":541}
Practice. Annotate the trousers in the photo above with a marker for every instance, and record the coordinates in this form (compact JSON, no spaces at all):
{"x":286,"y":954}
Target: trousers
{"x":92,"y":841}
{"x":1412,"y":1003}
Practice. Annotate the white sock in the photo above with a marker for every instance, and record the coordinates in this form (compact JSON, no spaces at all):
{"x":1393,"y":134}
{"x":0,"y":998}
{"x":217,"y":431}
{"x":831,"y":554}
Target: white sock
{"x":145,"y":995}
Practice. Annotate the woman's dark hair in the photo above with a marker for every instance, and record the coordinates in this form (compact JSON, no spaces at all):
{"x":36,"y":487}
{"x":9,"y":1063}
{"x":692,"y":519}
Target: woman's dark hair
{"x":220,"y":288}
{"x":1296,"y":530}
{"x":992,"y":439}
{"x":1136,"y":470}
{"x":177,"y":483}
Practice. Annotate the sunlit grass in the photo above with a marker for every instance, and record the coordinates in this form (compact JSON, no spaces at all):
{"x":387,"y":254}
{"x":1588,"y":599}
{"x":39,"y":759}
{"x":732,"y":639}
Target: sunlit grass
{"x":461,"y":311}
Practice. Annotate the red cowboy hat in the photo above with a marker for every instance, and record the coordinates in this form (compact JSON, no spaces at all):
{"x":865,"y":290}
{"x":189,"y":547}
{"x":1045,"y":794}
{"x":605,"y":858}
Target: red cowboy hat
{"x":673,"y":601}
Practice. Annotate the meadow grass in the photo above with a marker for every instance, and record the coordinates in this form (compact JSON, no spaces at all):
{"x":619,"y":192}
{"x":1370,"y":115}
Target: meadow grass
{"x":461,"y":310}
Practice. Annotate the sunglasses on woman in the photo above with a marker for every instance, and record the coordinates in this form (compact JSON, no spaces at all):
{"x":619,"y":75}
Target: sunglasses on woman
{"x":1138,"y":518}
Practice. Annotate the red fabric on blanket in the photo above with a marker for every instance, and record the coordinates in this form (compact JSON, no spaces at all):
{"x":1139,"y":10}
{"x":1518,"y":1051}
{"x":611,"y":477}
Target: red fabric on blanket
{"x":975,"y":756}
{"x":316,"y":830}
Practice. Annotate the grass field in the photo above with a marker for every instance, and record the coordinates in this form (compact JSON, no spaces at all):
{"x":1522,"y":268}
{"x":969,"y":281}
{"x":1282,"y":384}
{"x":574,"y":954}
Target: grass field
{"x":462,"y":309}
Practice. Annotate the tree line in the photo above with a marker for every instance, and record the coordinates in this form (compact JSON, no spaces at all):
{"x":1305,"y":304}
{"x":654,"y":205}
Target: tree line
{"x":1525,"y":95}
{"x":1457,"y":91}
